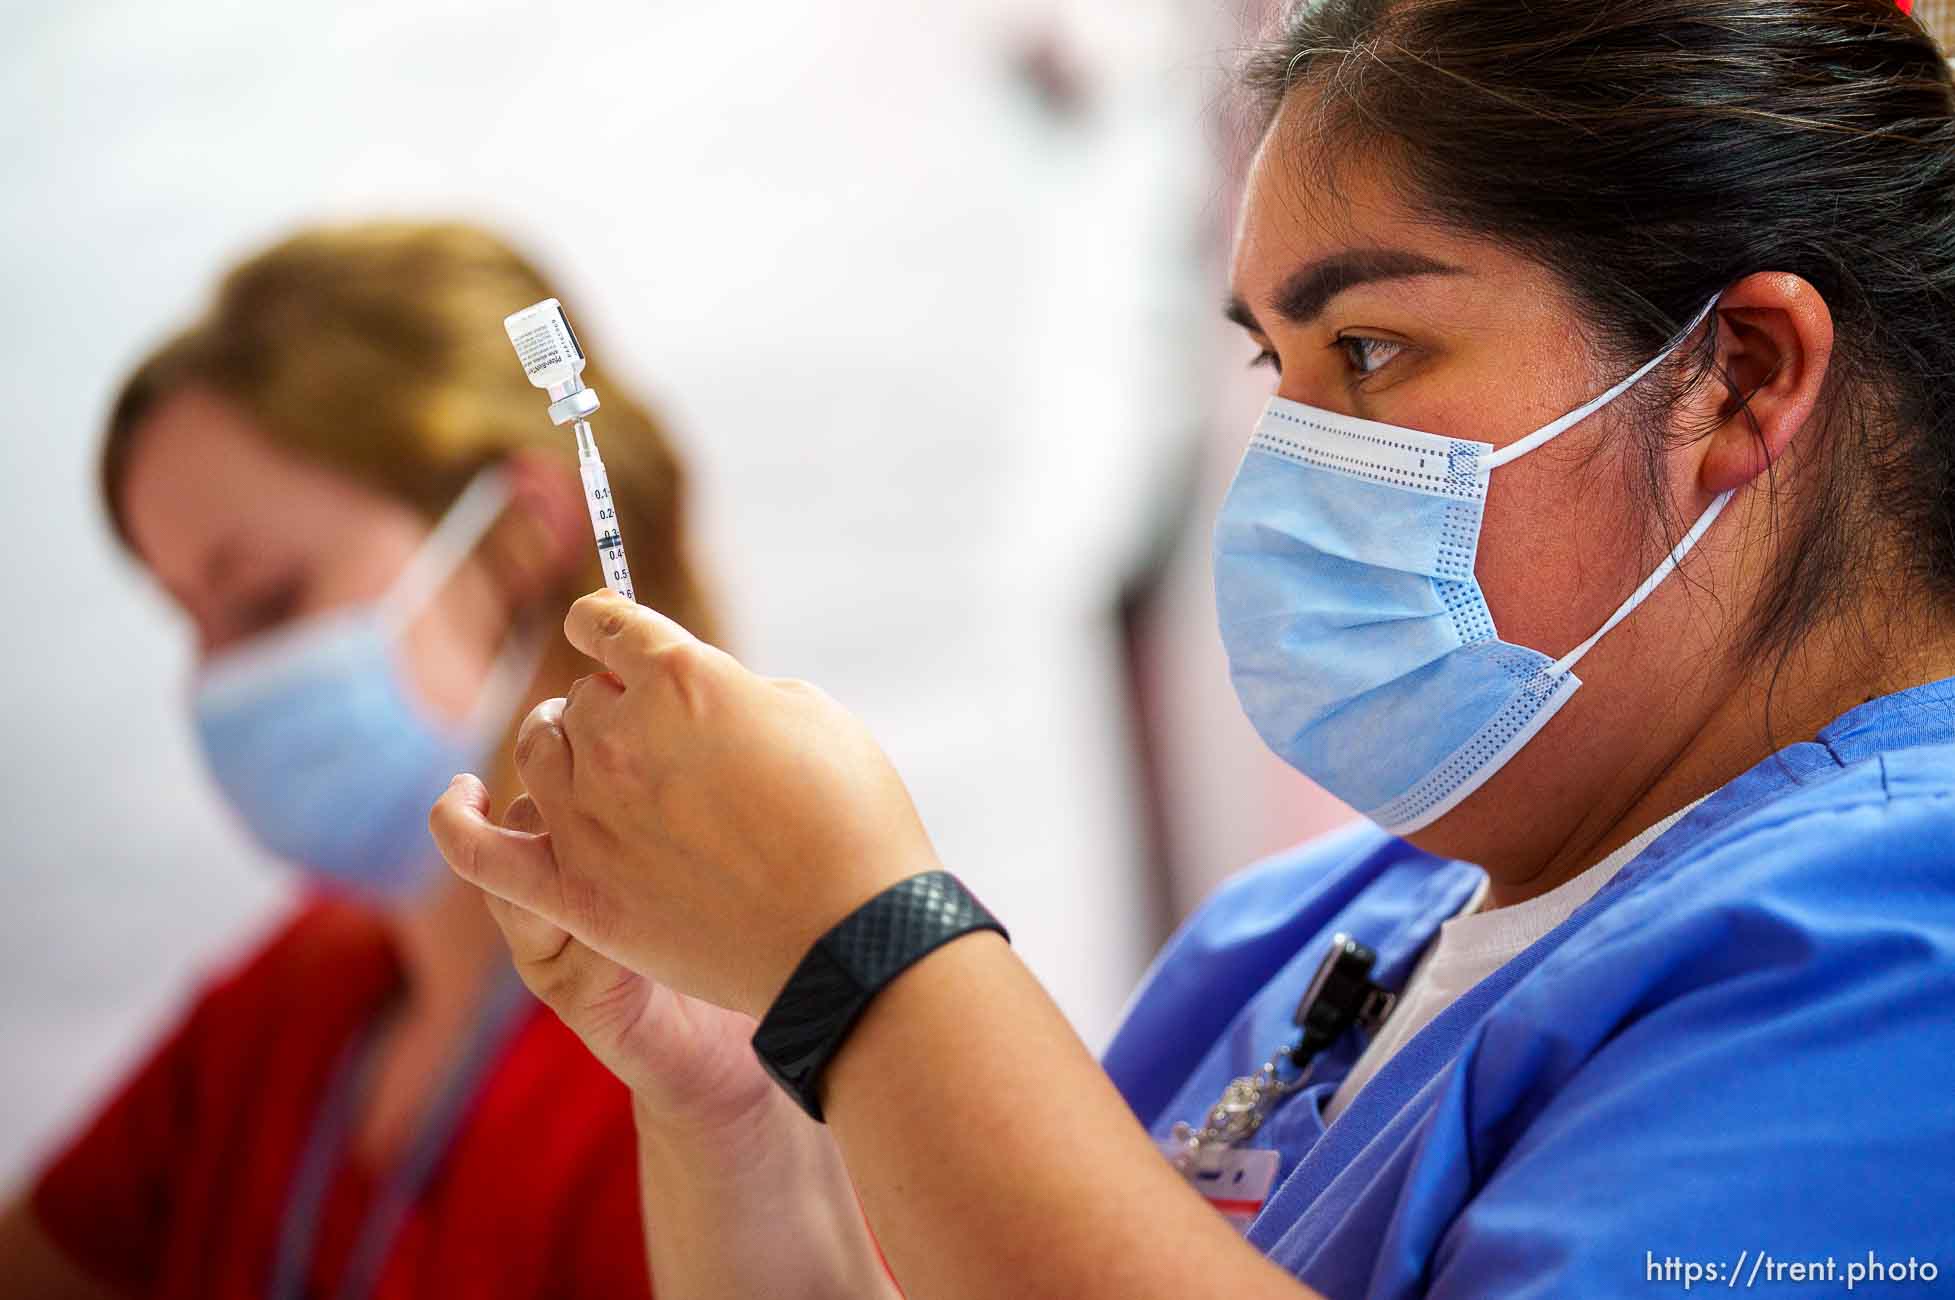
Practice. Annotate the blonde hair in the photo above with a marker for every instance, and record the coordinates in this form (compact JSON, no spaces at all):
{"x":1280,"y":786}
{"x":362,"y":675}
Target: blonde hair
{"x":377,"y":350}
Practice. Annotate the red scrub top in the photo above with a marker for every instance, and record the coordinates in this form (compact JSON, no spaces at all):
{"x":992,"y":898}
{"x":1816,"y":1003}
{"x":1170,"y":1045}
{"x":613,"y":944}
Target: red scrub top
{"x":176,"y":1189}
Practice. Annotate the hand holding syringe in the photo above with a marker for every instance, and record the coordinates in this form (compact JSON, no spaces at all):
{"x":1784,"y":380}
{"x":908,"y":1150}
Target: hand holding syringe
{"x":553,"y":361}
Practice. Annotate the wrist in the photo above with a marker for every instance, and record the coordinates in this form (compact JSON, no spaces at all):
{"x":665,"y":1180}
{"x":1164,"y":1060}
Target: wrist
{"x":848,"y":967}
{"x":758,"y":1205}
{"x":726,"y":1148}
{"x":940,"y":990}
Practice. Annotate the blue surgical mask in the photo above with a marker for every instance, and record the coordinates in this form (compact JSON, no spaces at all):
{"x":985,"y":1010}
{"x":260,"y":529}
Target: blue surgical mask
{"x":1358,"y":640}
{"x":316,"y":738}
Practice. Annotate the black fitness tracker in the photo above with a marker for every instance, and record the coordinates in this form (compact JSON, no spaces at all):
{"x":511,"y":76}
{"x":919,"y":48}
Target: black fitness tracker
{"x":852,"y":963}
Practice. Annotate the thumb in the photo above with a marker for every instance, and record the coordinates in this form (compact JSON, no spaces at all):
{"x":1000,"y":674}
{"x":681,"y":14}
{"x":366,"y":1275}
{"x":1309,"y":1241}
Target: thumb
{"x":511,"y":864}
{"x":523,"y":815}
{"x":532,"y":940}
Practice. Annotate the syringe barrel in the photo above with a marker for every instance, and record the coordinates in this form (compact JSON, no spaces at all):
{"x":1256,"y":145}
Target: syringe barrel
{"x":604,"y":525}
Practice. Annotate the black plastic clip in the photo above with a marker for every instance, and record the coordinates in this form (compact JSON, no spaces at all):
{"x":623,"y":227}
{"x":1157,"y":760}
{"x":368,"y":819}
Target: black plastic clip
{"x":1340,"y":995}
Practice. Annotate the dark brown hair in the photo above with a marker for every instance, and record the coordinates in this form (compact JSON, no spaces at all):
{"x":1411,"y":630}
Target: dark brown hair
{"x":1651,"y":153}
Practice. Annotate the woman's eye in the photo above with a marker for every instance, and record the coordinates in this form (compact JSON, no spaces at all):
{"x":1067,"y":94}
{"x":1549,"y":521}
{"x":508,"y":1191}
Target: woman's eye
{"x":1367,"y":356}
{"x":1266,"y":357}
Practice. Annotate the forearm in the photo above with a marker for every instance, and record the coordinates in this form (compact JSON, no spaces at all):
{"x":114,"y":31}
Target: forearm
{"x":995,"y":1158}
{"x":763,"y":1210}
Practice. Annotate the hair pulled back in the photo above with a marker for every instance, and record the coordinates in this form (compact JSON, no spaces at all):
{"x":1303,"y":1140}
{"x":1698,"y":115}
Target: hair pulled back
{"x":1651,"y":153}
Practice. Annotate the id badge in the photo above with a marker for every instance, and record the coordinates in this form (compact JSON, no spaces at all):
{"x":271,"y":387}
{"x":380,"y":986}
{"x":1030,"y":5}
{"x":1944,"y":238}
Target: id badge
{"x":1236,"y":1181}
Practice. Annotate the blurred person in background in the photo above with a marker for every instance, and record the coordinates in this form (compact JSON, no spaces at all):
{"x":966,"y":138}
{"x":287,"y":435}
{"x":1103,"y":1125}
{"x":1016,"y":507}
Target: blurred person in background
{"x":342,"y":479}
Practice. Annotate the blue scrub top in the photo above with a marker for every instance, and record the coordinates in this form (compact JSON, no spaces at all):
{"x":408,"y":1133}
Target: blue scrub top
{"x":1743,"y":1046}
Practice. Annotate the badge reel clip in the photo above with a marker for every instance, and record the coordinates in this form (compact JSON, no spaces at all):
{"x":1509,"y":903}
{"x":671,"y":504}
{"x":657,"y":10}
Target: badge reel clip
{"x":1340,"y":995}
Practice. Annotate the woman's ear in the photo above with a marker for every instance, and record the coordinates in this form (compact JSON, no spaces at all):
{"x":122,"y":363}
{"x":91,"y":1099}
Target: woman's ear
{"x":1774,"y":343}
{"x":544,"y":529}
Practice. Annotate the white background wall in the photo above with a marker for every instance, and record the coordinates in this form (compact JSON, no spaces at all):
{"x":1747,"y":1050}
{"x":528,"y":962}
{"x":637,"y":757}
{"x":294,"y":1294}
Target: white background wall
{"x":936,"y":350}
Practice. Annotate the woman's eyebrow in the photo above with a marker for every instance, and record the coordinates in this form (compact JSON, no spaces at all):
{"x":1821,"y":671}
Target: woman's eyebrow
{"x":1309,"y":289}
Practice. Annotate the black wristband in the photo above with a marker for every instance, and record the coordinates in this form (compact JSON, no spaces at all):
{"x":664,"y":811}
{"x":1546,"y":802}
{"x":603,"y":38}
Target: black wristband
{"x":852,"y":963}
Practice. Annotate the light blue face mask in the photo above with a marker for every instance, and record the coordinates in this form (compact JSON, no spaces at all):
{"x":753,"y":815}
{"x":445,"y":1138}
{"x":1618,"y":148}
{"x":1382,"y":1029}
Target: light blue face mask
{"x":1358,"y":640}
{"x":315,"y":736}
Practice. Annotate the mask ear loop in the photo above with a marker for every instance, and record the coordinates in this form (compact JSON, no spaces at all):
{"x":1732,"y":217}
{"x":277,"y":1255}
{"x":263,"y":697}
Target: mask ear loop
{"x":1515,"y":450}
{"x":1650,"y":584}
{"x":466,"y":522}
{"x":515,"y":665}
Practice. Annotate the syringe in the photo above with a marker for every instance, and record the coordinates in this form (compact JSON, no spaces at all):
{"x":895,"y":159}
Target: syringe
{"x":552,"y":359}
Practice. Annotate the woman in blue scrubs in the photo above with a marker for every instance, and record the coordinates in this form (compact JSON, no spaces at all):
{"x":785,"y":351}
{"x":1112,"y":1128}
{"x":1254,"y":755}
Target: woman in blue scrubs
{"x":1598,"y":544}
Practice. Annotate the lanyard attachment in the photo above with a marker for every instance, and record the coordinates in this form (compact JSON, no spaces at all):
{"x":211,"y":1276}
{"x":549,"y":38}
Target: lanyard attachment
{"x":1340,"y":995}
{"x":504,"y":1008}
